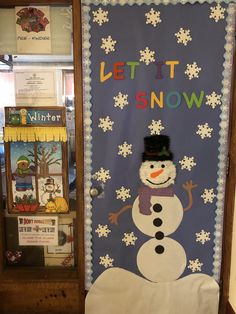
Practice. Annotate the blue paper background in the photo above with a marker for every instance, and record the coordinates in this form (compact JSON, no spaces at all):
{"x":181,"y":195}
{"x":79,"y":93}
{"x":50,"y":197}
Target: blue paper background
{"x":127,"y":26}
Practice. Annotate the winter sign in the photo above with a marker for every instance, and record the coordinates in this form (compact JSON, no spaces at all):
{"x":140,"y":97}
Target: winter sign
{"x":157,"y":99}
{"x":21,"y":116}
{"x":38,"y":231}
{"x":36,"y":161}
{"x":33,"y":31}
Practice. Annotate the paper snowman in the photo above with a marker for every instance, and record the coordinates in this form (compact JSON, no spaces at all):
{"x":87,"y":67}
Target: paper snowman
{"x":158,"y":212}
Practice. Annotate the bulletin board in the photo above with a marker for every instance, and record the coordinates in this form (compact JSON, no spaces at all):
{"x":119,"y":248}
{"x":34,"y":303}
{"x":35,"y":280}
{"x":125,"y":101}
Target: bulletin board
{"x":155,"y":68}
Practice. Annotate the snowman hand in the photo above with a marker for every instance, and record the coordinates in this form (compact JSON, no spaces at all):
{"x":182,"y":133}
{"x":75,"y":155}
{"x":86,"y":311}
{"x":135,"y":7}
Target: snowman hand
{"x":113,"y":218}
{"x":188,"y":185}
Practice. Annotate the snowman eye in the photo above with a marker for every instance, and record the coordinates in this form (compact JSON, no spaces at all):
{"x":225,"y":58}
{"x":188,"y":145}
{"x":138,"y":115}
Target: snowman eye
{"x":151,"y":166}
{"x":162,"y":166}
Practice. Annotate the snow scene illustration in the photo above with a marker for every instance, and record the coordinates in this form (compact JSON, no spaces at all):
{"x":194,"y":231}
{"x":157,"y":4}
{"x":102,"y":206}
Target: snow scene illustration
{"x":37,"y":176}
{"x":159,"y":72}
{"x":48,"y":158}
{"x":49,"y":188}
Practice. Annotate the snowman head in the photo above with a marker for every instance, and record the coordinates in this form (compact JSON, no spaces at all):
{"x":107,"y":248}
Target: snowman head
{"x":157,"y":174}
{"x":157,"y":169}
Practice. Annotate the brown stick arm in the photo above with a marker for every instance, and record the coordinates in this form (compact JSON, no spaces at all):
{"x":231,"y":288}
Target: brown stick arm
{"x":113,"y":217}
{"x":189,"y":186}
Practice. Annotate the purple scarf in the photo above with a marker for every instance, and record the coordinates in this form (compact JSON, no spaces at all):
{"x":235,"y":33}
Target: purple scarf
{"x":145,"y":194}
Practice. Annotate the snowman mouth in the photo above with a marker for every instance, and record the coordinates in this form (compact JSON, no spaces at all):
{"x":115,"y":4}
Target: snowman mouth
{"x":158,"y":183}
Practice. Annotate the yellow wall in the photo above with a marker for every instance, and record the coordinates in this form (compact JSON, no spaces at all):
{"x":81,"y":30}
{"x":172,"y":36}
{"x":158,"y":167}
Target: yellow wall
{"x":232,"y":291}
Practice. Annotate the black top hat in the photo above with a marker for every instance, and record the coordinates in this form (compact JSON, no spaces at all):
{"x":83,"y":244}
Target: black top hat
{"x":157,"y":148}
{"x":49,"y":181}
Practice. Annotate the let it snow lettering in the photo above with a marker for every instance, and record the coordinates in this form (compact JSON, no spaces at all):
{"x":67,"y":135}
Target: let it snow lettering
{"x":153,"y":99}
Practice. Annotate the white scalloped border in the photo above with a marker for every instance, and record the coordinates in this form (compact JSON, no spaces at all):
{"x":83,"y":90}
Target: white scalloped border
{"x":87,"y":113}
{"x":148,"y":2}
{"x":223,"y":134}
{"x":223,"y":138}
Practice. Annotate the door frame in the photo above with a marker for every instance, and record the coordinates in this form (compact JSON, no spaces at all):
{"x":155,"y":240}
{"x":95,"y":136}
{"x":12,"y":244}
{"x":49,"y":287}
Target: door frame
{"x":229,"y":201}
{"x":77,"y":278}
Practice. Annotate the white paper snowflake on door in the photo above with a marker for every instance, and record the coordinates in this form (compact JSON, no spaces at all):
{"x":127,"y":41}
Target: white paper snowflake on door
{"x":100,"y":16}
{"x":183,"y":36}
{"x":192,"y":70}
{"x":108,"y":44}
{"x":153,"y":17}
{"x":147,"y":56}
{"x":195,"y":265}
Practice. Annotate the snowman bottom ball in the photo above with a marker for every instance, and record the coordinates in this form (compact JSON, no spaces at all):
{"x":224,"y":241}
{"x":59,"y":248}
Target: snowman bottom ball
{"x":161,"y":261}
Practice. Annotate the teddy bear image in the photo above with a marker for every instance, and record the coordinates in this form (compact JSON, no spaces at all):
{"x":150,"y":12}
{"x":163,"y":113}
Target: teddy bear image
{"x":22,"y":174}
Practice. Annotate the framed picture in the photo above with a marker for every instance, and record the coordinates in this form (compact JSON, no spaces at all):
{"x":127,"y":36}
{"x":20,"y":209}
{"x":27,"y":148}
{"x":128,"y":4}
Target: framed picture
{"x":36,"y":160}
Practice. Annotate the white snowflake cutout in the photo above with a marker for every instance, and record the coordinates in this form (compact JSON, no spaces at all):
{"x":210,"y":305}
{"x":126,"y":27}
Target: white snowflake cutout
{"x":204,"y":130}
{"x":147,"y":56}
{"x":123,"y":194}
{"x":217,"y":13}
{"x":121,"y":100}
{"x":187,"y":163}
{"x":129,"y":239}
{"x":106,"y":124}
{"x":183,"y":36}
{"x":202,"y":236}
{"x":102,"y":175}
{"x":108,"y":44}
{"x":102,"y":231}
{"x":208,"y":196}
{"x":195,"y":265}
{"x":125,"y":149}
{"x":156,"y":127}
{"x":192,"y":70}
{"x":106,"y":261}
{"x":153,"y":17}
{"x":100,"y":16}
{"x":213,"y":100}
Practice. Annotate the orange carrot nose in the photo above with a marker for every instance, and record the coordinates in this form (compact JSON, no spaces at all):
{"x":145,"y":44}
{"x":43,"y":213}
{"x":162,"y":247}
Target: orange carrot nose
{"x":156,"y":173}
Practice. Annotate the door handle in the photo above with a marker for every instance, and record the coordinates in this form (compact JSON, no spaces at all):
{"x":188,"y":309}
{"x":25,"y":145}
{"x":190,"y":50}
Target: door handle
{"x":94,"y":192}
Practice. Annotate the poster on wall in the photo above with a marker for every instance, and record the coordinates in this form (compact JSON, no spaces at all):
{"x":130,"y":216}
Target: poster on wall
{"x":33,"y":30}
{"x":35,"y":88}
{"x":157,"y":84}
{"x":36,"y":150}
{"x":38,"y":231}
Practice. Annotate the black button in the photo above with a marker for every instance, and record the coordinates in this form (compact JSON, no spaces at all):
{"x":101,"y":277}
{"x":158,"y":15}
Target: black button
{"x":159,"y":249}
{"x":157,"y":222}
{"x":157,"y":208}
{"x":159,"y":235}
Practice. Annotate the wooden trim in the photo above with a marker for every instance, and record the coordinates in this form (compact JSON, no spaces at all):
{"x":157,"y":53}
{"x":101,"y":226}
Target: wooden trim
{"x":229,"y":202}
{"x":229,"y":309}
{"x":79,"y":135}
{"x":13,"y":3}
{"x":2,"y":227}
{"x":65,"y":171}
{"x":8,"y":175}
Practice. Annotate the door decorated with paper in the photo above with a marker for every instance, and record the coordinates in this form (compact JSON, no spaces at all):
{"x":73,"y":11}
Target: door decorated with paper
{"x":156,"y":114}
